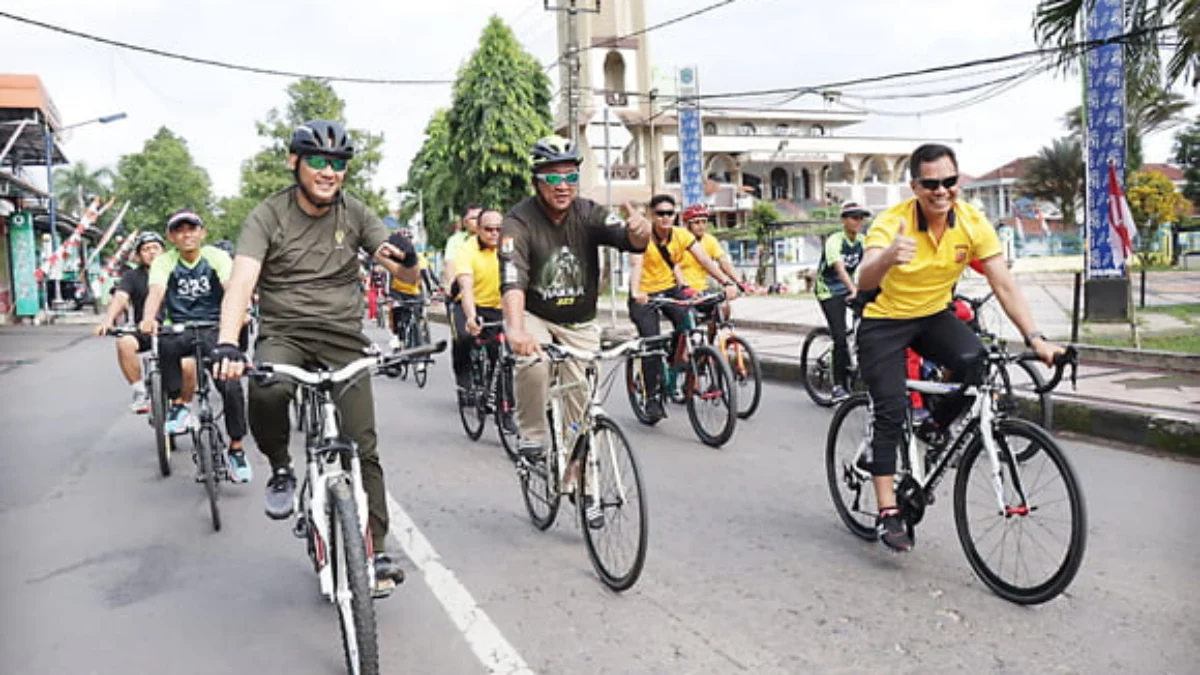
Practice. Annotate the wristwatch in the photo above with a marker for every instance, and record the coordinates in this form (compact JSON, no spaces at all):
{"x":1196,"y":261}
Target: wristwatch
{"x":727,"y":284}
{"x":1035,"y":335}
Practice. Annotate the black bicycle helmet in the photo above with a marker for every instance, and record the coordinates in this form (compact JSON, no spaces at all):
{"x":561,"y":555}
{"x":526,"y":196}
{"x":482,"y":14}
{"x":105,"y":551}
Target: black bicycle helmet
{"x":321,"y":137}
{"x":148,"y":238}
{"x":552,"y":150}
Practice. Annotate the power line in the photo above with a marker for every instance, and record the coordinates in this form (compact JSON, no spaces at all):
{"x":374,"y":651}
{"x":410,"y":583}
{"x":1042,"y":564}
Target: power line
{"x":218,"y":64}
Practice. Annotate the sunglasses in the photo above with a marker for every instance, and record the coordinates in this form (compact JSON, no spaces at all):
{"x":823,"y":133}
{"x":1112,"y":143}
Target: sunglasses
{"x":556,"y":179}
{"x":932,"y":184}
{"x":664,"y":214}
{"x":319,"y":162}
{"x":490,"y":230}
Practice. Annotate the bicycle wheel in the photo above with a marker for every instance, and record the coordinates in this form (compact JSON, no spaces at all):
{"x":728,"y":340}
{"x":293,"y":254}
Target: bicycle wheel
{"x":158,"y":419}
{"x":816,"y":366}
{"x":1020,"y":398}
{"x":743,"y":365}
{"x":712,"y":399}
{"x":610,"y":474}
{"x":351,"y":579}
{"x":1030,"y":552}
{"x":471,"y":412}
{"x":539,"y":486}
{"x":849,"y":485}
{"x":505,"y":408}
{"x":420,"y":370}
{"x":208,"y":451}
{"x":635,"y":385}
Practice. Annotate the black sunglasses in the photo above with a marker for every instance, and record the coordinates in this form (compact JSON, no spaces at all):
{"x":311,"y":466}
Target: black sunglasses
{"x":932,"y":184}
{"x":664,"y":214}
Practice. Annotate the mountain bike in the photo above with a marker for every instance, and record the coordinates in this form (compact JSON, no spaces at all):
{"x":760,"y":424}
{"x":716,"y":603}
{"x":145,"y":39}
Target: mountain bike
{"x":491,"y":392}
{"x":332,"y":513}
{"x":157,"y":417}
{"x":709,"y":388}
{"x":743,"y":361}
{"x":816,"y":359}
{"x":1015,"y":486}
{"x":591,"y":462}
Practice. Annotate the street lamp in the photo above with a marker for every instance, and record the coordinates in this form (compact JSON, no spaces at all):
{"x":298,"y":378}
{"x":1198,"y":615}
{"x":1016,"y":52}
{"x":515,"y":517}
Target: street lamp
{"x":52,"y":210}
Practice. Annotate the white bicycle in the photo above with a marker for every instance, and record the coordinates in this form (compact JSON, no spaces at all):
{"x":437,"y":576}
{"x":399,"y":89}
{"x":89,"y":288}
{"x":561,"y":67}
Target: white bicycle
{"x":332,"y":517}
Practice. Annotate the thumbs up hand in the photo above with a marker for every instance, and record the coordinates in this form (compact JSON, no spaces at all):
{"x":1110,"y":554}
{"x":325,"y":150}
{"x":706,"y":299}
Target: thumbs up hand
{"x":903,"y":247}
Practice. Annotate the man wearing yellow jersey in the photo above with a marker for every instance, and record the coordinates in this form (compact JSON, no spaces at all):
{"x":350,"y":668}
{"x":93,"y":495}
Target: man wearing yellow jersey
{"x":406,"y":296}
{"x":656,"y":273}
{"x":696,"y":217}
{"x":477,"y":271}
{"x":915,"y":252}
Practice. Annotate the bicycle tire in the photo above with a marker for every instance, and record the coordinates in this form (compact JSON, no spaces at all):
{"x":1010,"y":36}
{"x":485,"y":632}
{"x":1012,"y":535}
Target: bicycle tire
{"x":505,"y":406}
{"x":207,"y":451}
{"x":158,"y":420}
{"x":472,"y":416}
{"x":709,"y":375}
{"x":747,"y":375}
{"x":1065,"y":568}
{"x":539,"y":487}
{"x":840,"y":474}
{"x":1031,"y":407}
{"x":816,"y":368}
{"x":348,"y":555}
{"x":635,"y":385}
{"x":420,"y":374}
{"x":626,"y":575}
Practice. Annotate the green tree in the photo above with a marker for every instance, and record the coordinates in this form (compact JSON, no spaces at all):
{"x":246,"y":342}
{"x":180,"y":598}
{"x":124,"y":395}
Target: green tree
{"x":762,"y":221}
{"x":1153,"y":200}
{"x":501,"y":106}
{"x":431,"y":181}
{"x":160,"y":180}
{"x":80,"y":181}
{"x":1187,"y":155}
{"x":266,"y":172}
{"x":1056,"y":174}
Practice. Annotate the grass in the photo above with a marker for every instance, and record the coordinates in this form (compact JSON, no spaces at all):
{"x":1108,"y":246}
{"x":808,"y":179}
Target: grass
{"x":1189,"y":344}
{"x":1187,"y":312}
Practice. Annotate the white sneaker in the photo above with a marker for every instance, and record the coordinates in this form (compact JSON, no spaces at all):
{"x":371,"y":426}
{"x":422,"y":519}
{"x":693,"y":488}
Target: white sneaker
{"x":394,"y":343}
{"x":141,"y":402}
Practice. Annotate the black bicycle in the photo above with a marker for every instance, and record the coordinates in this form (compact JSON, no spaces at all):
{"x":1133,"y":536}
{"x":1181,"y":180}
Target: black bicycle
{"x":491,"y":392}
{"x":157,"y":417}
{"x":816,"y":359}
{"x":413,"y":332}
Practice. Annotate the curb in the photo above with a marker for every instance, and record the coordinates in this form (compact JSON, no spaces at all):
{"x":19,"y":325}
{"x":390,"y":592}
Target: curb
{"x":1155,"y":431}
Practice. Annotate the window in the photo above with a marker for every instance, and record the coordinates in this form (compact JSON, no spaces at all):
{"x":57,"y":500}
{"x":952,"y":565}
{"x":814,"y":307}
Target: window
{"x":710,"y":128}
{"x":614,"y":72}
{"x":747,"y":129}
{"x":781,"y":130}
{"x":816,"y":130}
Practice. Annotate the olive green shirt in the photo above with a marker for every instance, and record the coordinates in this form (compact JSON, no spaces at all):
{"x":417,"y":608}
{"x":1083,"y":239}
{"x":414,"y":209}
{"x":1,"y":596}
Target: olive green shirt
{"x":309,"y":283}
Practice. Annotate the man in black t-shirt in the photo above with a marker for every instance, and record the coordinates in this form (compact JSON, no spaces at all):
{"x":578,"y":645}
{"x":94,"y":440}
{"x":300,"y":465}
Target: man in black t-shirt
{"x":130,"y":293}
{"x":549,"y":279}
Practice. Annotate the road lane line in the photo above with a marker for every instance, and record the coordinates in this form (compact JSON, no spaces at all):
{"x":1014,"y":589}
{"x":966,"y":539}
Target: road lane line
{"x":484,"y":638}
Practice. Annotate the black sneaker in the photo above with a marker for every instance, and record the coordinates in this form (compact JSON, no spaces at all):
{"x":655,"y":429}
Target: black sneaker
{"x":509,"y":422}
{"x":388,"y":569}
{"x":281,"y":493}
{"x":654,"y":409}
{"x":889,"y":526}
{"x":592,"y":513}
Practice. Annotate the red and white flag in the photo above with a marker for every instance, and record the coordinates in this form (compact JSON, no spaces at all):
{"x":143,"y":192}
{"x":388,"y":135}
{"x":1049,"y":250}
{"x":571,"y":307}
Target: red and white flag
{"x":1120,"y":219}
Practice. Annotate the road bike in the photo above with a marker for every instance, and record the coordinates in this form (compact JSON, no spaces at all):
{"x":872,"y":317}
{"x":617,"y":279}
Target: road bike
{"x":1014,"y":490}
{"x":591,"y":462}
{"x":332,"y":513}
{"x":157,"y":416}
{"x":412,"y":332}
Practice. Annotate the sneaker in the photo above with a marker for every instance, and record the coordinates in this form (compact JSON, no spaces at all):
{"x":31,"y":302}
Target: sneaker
{"x":654,"y":409}
{"x":839,"y":394}
{"x":592,"y":513}
{"x":141,"y":402}
{"x":394,"y":343}
{"x":388,"y":569}
{"x":281,"y":493}
{"x":531,"y":450}
{"x":889,"y":526}
{"x":931,"y":433}
{"x":239,"y":468}
{"x":179,"y":419}
{"x":508,"y":422}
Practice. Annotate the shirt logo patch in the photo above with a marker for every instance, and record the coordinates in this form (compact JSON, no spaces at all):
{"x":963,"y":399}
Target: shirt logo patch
{"x":339,"y":237}
{"x":960,"y":254}
{"x":506,"y":245}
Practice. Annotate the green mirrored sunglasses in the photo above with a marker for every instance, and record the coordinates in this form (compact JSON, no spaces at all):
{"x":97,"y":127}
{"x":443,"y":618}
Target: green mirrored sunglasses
{"x":555,"y":179}
{"x":319,"y":162}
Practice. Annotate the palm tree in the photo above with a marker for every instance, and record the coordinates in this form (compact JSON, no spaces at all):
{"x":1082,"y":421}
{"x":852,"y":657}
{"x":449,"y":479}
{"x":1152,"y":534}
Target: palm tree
{"x":1056,"y":23}
{"x":1056,"y":174}
{"x":79,"y":182}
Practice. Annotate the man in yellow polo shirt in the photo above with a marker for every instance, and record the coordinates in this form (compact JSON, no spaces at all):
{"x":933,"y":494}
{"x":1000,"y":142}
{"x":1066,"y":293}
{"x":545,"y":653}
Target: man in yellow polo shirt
{"x":915,"y":252}
{"x":477,"y":271}
{"x":657,"y":273}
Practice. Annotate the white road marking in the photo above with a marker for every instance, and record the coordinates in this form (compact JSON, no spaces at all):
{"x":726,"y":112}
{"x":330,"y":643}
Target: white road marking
{"x":484,"y":638}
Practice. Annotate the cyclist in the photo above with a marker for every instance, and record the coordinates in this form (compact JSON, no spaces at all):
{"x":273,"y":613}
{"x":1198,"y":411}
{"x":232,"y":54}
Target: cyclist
{"x":550,"y":277}
{"x":657,"y":273}
{"x":696,"y":218}
{"x":131,"y":293}
{"x":188,"y":284}
{"x":405,"y":294}
{"x":470,"y":224}
{"x":914,"y":254}
{"x":835,"y":287}
{"x":300,"y":247}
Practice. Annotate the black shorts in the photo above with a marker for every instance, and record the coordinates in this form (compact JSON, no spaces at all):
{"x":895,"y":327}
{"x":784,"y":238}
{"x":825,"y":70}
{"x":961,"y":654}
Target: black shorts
{"x":143,"y":342}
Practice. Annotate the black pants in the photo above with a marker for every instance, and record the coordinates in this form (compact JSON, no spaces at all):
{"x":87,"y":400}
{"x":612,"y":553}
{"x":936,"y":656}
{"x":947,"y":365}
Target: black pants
{"x":171,"y":351}
{"x":646,"y":319}
{"x":835,"y":316}
{"x":941,"y":338}
{"x":463,"y":340}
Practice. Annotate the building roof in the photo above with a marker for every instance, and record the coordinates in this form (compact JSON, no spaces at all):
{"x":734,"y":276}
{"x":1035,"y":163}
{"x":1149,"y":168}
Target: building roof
{"x":24,"y":99}
{"x":1172,"y":173}
{"x":1014,"y":169}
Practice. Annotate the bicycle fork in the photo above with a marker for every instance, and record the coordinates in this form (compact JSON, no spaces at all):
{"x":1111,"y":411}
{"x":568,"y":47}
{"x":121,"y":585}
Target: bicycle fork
{"x":986,"y":418}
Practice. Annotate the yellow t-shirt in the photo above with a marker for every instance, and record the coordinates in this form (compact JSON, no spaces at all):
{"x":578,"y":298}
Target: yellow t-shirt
{"x":922,"y":287}
{"x":656,"y":272}
{"x":484,"y":268}
{"x":695,"y":275}
{"x":415,"y":287}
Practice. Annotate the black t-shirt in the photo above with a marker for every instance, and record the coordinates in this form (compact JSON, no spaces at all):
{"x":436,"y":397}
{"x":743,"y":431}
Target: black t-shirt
{"x":136,"y":284}
{"x":557,"y":265}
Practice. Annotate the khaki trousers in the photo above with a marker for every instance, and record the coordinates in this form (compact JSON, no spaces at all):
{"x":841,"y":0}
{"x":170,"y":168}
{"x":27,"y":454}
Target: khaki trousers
{"x":533,"y":377}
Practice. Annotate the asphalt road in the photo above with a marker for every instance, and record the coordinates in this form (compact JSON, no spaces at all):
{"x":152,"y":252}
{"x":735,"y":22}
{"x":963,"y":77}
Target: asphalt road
{"x":110,"y":569}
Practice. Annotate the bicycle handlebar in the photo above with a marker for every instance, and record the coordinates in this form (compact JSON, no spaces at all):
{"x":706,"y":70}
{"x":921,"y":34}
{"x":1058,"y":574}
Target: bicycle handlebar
{"x":558,"y":352}
{"x":311,"y":378}
{"x":122,"y":331}
{"x":1070,"y":357}
{"x":975,"y":303}
{"x":695,"y":301}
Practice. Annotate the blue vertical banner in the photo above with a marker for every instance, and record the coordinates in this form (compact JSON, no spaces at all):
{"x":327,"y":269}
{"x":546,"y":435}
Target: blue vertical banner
{"x":23,"y":245}
{"x":691,"y":156}
{"x":1105,"y":133}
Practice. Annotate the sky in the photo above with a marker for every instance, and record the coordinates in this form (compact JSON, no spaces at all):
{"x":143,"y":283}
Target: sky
{"x":745,"y":45}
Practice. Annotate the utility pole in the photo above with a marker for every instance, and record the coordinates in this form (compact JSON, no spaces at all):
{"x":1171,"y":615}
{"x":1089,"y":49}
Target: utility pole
{"x":570,"y":59}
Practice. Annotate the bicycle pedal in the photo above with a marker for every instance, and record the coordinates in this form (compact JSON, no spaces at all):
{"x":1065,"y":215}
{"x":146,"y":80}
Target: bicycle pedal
{"x":383,"y":588}
{"x":300,"y":528}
